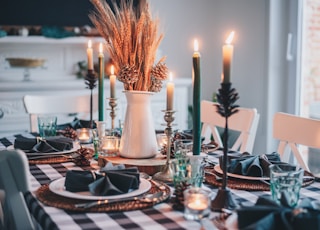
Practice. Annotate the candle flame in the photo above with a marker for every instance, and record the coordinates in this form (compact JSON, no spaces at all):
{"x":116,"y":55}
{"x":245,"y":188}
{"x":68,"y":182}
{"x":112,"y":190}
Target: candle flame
{"x":112,"y":69}
{"x":230,"y":38}
{"x":89,"y":44}
{"x":170,"y":76}
{"x":196,"y":45}
{"x":100,"y":47}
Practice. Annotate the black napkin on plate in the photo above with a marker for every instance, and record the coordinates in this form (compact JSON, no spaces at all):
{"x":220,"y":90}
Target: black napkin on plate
{"x":47,"y":145}
{"x":268,"y":215}
{"x":76,"y":124}
{"x":251,"y":165}
{"x":108,"y":182}
{"x":77,"y":181}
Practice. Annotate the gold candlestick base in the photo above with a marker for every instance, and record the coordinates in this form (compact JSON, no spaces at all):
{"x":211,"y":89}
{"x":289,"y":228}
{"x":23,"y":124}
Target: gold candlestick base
{"x":113,"y":105}
{"x":166,"y":175}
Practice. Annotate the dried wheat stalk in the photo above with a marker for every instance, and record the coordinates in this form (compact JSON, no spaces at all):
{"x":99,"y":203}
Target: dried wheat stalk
{"x":132,"y":41}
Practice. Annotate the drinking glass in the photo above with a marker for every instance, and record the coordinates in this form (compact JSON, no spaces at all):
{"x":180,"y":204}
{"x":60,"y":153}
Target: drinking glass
{"x":188,"y":170}
{"x":47,"y":125}
{"x":182,"y":147}
{"x":285,"y":183}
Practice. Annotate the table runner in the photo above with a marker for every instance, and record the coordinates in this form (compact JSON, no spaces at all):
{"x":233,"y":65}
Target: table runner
{"x":161,"y":216}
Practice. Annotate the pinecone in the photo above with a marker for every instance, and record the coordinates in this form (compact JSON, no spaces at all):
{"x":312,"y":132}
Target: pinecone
{"x":160,"y":71}
{"x":178,"y":201}
{"x":156,"y":85}
{"x":84,"y":156}
{"x":163,"y":150}
{"x":128,"y":74}
{"x":68,"y":132}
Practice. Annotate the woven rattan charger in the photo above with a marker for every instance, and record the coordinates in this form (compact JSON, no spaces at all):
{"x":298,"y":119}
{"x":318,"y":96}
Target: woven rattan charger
{"x":212,"y":177}
{"x":49,"y":198}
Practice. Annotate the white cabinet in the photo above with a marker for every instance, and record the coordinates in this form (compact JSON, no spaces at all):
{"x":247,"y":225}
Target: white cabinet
{"x":58,"y":77}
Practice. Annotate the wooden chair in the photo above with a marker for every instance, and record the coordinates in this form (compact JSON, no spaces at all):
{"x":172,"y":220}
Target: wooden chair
{"x":14,"y":181}
{"x":293,"y":131}
{"x":71,"y":105}
{"x":245,"y":121}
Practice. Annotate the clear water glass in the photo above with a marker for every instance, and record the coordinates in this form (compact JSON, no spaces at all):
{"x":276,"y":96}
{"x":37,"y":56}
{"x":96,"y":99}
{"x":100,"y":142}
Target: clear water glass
{"x":47,"y":126}
{"x":285,"y":183}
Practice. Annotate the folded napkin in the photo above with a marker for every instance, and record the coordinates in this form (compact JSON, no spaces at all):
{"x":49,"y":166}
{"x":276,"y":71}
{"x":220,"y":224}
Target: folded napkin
{"x":109,"y":182}
{"x":268,"y":215}
{"x":249,"y":165}
{"x":48,"y":145}
{"x":76,"y":124}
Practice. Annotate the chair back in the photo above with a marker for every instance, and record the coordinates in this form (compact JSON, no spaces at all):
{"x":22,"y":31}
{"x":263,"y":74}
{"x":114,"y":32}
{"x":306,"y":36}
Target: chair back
{"x":244,"y":121}
{"x":292,"y":131}
{"x":75,"y":105}
{"x":14,"y":181}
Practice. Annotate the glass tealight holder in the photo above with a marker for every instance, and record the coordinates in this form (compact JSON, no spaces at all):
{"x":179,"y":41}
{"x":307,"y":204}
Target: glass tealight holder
{"x":162,"y":140}
{"x":84,"y":135}
{"x":109,"y":146}
{"x":196,"y":203}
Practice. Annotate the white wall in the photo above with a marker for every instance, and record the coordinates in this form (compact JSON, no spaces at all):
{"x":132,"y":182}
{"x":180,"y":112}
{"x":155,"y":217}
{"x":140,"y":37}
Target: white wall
{"x":211,"y":21}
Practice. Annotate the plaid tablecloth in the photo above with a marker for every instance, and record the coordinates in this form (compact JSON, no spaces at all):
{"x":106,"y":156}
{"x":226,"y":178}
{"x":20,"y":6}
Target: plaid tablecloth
{"x":161,"y":216}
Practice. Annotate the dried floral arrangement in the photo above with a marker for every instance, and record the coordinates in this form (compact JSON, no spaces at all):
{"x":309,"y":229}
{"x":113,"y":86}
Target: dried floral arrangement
{"x":132,"y":41}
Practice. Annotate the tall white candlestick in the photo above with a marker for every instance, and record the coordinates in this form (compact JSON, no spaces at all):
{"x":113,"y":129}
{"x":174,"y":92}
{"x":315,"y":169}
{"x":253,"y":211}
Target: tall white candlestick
{"x":112,"y":79}
{"x":227,"y":51}
{"x":170,"y":93}
{"x":90,"y":55}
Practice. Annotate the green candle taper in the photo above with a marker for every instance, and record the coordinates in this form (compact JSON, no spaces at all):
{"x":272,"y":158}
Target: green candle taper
{"x":101,"y":83}
{"x":196,"y":100}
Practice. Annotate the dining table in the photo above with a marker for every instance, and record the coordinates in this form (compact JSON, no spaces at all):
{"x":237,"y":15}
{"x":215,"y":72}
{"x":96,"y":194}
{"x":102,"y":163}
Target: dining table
{"x":162,"y":215}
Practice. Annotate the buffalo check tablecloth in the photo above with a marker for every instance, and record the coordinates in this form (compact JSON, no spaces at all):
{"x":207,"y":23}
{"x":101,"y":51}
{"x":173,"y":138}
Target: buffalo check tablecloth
{"x":161,"y":216}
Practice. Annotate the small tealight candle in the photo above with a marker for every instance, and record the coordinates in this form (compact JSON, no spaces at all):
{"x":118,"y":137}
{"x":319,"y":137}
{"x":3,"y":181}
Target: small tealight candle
{"x":196,"y":203}
{"x":84,"y":135}
{"x":162,"y":140}
{"x":109,"y":146}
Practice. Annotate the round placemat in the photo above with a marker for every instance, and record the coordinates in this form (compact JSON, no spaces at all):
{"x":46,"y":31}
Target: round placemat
{"x":214,"y":178}
{"x":50,"y":160}
{"x":49,"y":198}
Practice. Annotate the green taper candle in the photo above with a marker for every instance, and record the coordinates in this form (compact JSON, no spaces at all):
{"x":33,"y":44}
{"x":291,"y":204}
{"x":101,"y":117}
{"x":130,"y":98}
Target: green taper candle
{"x":101,"y":83}
{"x":196,"y":100}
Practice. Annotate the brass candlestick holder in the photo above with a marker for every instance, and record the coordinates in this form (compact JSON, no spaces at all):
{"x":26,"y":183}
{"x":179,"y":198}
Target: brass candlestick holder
{"x":166,"y":175}
{"x":227,"y":96}
{"x":113,"y":104}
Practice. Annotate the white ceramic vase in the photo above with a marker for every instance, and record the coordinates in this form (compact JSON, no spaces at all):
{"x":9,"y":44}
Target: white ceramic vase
{"x":138,"y":138}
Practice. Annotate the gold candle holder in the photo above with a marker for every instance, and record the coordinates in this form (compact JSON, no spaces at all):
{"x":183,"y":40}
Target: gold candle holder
{"x":166,"y":175}
{"x":113,"y":104}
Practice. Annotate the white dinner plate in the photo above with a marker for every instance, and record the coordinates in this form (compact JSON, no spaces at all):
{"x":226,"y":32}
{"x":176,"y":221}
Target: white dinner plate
{"x":220,"y":171}
{"x":57,"y":187}
{"x":76,"y":146}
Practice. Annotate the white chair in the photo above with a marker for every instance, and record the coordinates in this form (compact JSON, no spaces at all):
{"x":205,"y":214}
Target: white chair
{"x":14,"y":181}
{"x":74,"y":105}
{"x":293,"y":131}
{"x":245,"y":121}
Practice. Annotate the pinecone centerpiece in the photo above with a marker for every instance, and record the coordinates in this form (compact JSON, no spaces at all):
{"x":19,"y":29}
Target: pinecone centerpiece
{"x":132,"y":41}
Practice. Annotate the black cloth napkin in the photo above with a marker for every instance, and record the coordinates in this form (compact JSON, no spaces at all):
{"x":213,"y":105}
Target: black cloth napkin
{"x":47,"y":145}
{"x":268,"y":215}
{"x":251,"y":165}
{"x":108,"y":182}
{"x":76,"y":124}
